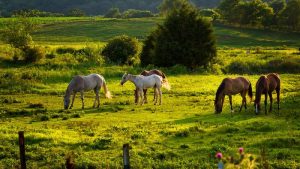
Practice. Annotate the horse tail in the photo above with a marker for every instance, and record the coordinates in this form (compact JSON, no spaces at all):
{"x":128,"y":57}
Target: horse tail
{"x":107,"y":93}
{"x":163,"y":75}
{"x":250,"y":93}
{"x":166,"y":84}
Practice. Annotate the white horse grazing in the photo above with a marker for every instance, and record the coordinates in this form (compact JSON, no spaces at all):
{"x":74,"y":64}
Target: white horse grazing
{"x":85,"y":83}
{"x":144,"y":82}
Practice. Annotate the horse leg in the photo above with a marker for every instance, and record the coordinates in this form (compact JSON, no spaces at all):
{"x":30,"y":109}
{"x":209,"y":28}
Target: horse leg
{"x":145,"y":95}
{"x":73,"y":100}
{"x":141,"y":95}
{"x":136,"y":96}
{"x":155,"y":95}
{"x":97,"y":98}
{"x":271,"y":101}
{"x":230,"y":101}
{"x":243,"y":97}
{"x":278,"y":98}
{"x":244,"y":101}
{"x":95,"y":91}
{"x":266,"y":98}
{"x":82,"y":98}
{"x":160,"y":94}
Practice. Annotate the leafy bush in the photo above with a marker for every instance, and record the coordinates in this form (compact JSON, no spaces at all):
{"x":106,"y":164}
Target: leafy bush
{"x":184,"y":38}
{"x":210,"y":13}
{"x":121,"y":50}
{"x":17,"y":32}
{"x":33,"y":54}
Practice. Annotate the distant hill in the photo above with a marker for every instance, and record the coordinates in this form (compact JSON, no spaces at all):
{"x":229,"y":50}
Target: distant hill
{"x":91,"y":7}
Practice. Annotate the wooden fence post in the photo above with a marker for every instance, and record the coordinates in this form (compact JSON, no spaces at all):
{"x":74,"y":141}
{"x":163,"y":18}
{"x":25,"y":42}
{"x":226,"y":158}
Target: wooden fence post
{"x":22,"y":149}
{"x":126,"y":156}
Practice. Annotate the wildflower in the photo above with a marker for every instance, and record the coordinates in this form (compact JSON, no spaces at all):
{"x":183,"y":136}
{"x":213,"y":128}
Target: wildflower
{"x":241,"y":150}
{"x":219,"y":155}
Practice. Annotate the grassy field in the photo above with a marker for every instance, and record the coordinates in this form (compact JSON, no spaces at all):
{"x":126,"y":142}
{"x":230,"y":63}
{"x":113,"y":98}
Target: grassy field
{"x":64,"y":30}
{"x":183,"y":132}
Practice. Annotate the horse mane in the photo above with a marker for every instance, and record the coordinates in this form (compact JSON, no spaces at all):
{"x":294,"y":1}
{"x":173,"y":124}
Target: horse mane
{"x":259,"y":88}
{"x":220,"y":89}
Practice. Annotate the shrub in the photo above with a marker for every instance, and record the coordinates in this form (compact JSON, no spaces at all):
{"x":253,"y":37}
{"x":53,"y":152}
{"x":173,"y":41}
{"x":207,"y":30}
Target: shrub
{"x":121,"y":50}
{"x":210,"y":13}
{"x":33,"y":54}
{"x":18,"y":31}
{"x":184,"y":38}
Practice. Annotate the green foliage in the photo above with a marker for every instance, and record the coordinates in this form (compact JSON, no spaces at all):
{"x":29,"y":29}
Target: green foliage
{"x":210,"y":13}
{"x":113,"y":13}
{"x":18,"y":31}
{"x":184,"y":38}
{"x":291,"y":15}
{"x":169,"y":5}
{"x":256,"y":12}
{"x":133,"y":13}
{"x":121,"y":50}
{"x":35,"y":13}
{"x":228,"y":9}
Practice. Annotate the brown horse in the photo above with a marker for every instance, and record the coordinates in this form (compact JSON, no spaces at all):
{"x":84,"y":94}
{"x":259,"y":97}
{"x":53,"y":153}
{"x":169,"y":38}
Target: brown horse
{"x":231,"y":87}
{"x":266,"y":85}
{"x":148,"y":73}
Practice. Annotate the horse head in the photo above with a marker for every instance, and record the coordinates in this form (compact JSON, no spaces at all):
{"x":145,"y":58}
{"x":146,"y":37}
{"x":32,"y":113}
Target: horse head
{"x":125,"y":77}
{"x":66,"y":102}
{"x":218,"y":106}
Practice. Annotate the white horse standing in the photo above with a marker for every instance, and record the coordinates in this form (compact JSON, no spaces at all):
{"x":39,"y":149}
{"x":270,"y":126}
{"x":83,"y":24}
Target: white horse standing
{"x":85,"y":83}
{"x":144,"y":82}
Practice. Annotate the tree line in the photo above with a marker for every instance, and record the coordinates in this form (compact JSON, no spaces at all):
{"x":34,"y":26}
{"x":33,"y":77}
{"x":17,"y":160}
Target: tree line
{"x":275,"y":14}
{"x":90,"y":7}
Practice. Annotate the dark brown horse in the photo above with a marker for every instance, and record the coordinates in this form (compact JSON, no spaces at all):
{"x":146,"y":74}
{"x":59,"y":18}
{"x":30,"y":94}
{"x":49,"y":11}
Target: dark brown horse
{"x":148,"y":73}
{"x":266,"y":85}
{"x":231,"y":87}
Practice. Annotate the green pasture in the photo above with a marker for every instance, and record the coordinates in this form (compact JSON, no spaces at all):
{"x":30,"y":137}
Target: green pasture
{"x":183,"y":132}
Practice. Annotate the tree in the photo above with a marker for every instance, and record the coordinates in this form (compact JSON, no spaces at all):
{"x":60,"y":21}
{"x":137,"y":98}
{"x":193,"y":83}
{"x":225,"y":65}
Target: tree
{"x":121,"y":50}
{"x":18,"y":32}
{"x":184,"y":38}
{"x":291,"y":15}
{"x":168,"y":5}
{"x":228,"y":10}
{"x":256,"y":12}
{"x":278,"y":7}
{"x":113,"y":13}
